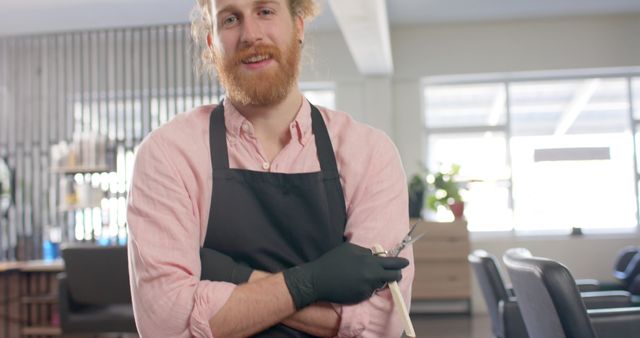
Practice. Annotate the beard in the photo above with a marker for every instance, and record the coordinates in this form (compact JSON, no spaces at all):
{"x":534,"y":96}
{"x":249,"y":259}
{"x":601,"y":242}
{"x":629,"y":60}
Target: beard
{"x":265,"y":87}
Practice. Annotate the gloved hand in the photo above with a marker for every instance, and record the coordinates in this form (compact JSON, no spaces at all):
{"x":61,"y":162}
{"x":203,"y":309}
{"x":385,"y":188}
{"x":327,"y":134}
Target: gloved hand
{"x":347,"y":274}
{"x":219,"y":267}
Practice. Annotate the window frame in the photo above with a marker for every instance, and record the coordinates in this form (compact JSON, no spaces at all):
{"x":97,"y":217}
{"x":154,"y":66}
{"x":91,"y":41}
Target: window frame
{"x":629,"y":75}
{"x":319,"y":86}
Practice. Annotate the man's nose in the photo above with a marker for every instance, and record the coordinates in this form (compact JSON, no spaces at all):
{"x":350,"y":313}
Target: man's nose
{"x":251,"y":32}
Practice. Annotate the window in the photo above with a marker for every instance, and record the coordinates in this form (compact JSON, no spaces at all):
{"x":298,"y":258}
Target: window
{"x":467,"y":126}
{"x":636,"y":97}
{"x":635,"y":94}
{"x":465,"y":105}
{"x":320,"y":94}
{"x":482,"y":160}
{"x":544,"y":154}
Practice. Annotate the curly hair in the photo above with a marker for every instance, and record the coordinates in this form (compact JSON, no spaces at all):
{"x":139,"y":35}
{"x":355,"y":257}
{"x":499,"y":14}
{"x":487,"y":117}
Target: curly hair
{"x":201,"y":27}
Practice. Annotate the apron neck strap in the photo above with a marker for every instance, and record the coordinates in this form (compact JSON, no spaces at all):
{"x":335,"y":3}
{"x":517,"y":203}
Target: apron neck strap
{"x":218,"y":139}
{"x":324,"y":148}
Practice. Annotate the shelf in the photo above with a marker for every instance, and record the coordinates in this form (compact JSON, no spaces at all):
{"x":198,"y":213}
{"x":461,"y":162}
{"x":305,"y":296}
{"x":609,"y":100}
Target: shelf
{"x":41,"y":331}
{"x":10,"y":266}
{"x":81,"y":170}
{"x":32,"y":310}
{"x":78,"y":207}
{"x":43,"y":299}
{"x":56,"y":265}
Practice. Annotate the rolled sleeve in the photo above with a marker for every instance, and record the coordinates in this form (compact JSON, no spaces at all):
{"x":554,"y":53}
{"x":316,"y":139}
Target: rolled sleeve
{"x":354,"y":319}
{"x":378,"y":214}
{"x":169,"y":300}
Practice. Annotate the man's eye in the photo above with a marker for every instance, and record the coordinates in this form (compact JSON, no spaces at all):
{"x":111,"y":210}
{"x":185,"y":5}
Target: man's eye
{"x":266,"y":11}
{"x":230,"y":20}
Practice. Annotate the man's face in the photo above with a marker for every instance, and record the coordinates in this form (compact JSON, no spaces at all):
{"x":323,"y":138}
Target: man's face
{"x":256,"y":48}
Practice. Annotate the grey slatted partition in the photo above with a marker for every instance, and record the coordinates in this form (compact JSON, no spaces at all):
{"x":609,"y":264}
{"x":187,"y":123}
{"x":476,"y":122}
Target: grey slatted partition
{"x":117,"y":83}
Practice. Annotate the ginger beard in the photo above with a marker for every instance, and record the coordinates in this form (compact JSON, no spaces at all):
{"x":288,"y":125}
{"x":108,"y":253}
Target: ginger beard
{"x":264,"y":87}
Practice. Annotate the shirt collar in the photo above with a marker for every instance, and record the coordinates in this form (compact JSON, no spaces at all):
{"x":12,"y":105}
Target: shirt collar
{"x":303,"y":123}
{"x":233,"y":121}
{"x":300,"y":127}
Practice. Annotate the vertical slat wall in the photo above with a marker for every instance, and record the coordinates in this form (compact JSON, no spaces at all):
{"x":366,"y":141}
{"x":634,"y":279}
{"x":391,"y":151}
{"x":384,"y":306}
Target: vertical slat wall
{"x":119,"y":84}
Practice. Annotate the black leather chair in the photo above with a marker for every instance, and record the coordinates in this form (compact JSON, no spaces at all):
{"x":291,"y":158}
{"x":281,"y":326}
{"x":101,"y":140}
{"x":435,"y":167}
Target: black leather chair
{"x":627,"y":267}
{"x":551,"y":305}
{"x":506,"y":321}
{"x":94,"y":290}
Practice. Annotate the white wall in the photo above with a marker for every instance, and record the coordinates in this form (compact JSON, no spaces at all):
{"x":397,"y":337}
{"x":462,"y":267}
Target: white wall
{"x":470,"y":48}
{"x":593,"y":42}
{"x":394,"y":104}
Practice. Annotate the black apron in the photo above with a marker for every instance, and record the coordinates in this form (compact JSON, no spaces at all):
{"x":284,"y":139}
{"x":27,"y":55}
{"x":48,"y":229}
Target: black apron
{"x":273,"y":221}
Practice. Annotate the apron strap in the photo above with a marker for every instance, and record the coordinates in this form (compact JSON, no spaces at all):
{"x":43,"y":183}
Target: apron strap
{"x":324,"y":149}
{"x":218,"y":139}
{"x":329,"y":167}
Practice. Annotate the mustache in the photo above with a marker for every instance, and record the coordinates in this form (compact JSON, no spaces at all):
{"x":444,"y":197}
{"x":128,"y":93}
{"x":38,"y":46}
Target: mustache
{"x":272,"y":51}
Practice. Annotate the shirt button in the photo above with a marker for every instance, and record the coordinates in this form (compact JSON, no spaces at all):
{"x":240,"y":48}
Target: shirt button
{"x":265,"y":165}
{"x":245,"y":127}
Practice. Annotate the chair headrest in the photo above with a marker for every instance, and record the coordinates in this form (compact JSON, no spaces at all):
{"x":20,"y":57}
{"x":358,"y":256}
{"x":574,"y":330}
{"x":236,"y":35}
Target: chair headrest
{"x":487,"y":272}
{"x":97,"y":274}
{"x":627,"y":265}
{"x":548,"y":296}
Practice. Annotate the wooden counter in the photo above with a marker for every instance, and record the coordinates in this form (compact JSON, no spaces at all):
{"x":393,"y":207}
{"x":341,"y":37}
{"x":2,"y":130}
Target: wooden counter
{"x":28,"y":305}
{"x":442,"y":271}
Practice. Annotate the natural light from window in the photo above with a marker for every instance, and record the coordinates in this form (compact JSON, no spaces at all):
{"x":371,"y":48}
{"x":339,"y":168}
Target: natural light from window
{"x":543,"y":155}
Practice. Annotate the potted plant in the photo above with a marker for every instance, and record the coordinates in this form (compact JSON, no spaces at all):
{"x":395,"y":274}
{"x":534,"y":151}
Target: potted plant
{"x":445,"y":190}
{"x":417,"y":188}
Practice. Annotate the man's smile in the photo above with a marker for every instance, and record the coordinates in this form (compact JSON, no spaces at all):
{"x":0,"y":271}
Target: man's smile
{"x":257,"y":61}
{"x":256,"y":58}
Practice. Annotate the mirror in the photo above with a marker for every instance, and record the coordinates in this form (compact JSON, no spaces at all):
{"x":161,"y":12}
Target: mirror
{"x":5,"y":188}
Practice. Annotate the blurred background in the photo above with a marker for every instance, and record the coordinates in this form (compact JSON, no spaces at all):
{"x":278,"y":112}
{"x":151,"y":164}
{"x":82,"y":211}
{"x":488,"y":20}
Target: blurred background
{"x":536,"y":103}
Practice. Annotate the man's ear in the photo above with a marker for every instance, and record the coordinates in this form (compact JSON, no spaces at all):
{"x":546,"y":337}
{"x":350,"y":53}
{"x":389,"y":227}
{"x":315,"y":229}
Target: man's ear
{"x":209,"y":40}
{"x":300,"y":27}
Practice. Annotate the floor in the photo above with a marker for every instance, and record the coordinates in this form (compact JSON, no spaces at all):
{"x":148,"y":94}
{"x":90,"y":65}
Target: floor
{"x":426,"y":326}
{"x":452,"y":326}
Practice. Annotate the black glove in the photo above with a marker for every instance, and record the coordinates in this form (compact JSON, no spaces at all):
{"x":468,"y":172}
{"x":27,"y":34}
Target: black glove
{"x":219,"y":267}
{"x":347,"y":274}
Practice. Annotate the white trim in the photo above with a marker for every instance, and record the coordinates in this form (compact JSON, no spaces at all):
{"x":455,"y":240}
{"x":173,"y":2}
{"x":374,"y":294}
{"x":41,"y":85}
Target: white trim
{"x":550,"y":235}
{"x":573,"y":74}
{"x":316,"y":85}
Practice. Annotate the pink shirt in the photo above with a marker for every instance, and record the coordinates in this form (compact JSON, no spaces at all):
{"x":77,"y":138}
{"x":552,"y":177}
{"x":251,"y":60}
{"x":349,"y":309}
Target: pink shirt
{"x":168,"y":210}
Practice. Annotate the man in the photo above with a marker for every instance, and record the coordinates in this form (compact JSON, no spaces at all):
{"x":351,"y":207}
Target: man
{"x":285,"y":200}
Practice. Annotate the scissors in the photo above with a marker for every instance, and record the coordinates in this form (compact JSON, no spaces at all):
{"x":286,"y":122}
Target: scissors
{"x":393,"y":286}
{"x":406,"y":241}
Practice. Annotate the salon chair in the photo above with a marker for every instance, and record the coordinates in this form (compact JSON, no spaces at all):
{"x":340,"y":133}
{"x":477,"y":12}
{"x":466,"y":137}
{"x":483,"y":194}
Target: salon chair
{"x":627,"y":268}
{"x":506,"y":320}
{"x":94,"y":290}
{"x":551,"y":304}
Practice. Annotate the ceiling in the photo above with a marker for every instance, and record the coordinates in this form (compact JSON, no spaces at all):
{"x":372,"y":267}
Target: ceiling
{"x":34,"y":16}
{"x":364,"y":23}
